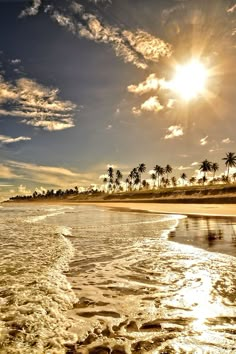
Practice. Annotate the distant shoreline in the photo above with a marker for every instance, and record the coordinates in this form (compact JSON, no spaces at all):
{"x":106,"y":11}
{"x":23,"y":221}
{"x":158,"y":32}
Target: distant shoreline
{"x":189,"y":209}
{"x":206,"y":210}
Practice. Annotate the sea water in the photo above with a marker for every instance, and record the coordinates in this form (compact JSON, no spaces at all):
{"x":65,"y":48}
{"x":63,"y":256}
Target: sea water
{"x":85,"y":279}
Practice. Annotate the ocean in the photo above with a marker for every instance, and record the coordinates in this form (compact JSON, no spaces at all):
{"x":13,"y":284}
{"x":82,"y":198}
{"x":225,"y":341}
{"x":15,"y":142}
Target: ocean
{"x":86,"y":279}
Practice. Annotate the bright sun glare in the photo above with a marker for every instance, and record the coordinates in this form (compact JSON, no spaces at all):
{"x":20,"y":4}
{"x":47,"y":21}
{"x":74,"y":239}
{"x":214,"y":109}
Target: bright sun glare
{"x":190,"y":80}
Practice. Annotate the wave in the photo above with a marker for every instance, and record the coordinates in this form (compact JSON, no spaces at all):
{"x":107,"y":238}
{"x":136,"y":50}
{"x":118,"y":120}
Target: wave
{"x":34,"y":292}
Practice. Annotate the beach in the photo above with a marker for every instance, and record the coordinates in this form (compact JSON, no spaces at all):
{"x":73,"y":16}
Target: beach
{"x":223,"y":210}
{"x":90,"y":279}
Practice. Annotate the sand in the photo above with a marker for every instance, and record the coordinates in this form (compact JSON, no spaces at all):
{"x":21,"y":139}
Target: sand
{"x":182,"y":209}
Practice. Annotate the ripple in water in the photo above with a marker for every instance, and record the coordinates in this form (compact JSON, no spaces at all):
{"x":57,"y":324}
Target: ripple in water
{"x":134,"y":291}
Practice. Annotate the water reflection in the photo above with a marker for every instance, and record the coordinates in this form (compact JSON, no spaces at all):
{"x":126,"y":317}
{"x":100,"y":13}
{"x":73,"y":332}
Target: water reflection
{"x":212,"y":234}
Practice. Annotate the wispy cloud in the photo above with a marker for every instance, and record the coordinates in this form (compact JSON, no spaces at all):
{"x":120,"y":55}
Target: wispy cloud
{"x":204,"y":141}
{"x":174,"y":131}
{"x":4,"y":139}
{"x":51,"y":176}
{"x":226,"y":141}
{"x":15,"y":61}
{"x":32,"y":10}
{"x":183,"y":168}
{"x":136,"y":47}
{"x":232,"y":8}
{"x":37,"y":104}
{"x":7,"y":172}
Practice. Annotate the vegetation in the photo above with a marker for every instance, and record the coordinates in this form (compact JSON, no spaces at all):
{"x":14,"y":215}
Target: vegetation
{"x":160,"y":179}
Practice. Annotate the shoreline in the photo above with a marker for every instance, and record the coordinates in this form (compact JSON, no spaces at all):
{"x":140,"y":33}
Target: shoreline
{"x":197,"y":210}
{"x":219,"y":210}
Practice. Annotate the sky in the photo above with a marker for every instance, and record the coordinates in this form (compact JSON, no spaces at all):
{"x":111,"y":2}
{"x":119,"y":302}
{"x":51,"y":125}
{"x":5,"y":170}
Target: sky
{"x":87,"y":84}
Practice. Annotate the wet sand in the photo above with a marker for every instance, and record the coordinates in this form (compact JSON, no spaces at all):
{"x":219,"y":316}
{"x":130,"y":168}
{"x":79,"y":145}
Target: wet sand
{"x":223,"y":210}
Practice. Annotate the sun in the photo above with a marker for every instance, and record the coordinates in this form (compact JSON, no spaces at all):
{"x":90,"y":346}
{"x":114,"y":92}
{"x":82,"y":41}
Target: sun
{"x":190,"y":79}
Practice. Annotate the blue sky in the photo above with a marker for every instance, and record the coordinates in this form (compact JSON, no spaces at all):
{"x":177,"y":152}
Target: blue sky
{"x":84,"y":84}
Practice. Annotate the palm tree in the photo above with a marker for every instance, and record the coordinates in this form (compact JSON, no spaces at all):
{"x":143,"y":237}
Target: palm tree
{"x":206,"y":166}
{"x":154,"y":178}
{"x":230,"y":161}
{"x":119,"y":175}
{"x":168,"y":169}
{"x":133,"y":175}
{"x":137,"y":181}
{"x":183,"y":177}
{"x":173,"y":181}
{"x":127,"y":181}
{"x":144,"y":183}
{"x":110,"y":173}
{"x":192,"y":180}
{"x":159,"y":172}
{"x":117,"y":183}
{"x":214,"y":168}
{"x":141,"y":169}
{"x":234,"y":176}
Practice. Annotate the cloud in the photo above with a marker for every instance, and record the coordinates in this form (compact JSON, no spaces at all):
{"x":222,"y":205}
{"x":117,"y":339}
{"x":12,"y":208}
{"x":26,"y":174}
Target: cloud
{"x":174,"y":131}
{"x":152,"y":104}
{"x":4,"y":139}
{"x":183,"y":168}
{"x":151,"y":83}
{"x":204,"y":141}
{"x":32,"y":10}
{"x":136,"y":47}
{"x":7,"y":172}
{"x":171,"y":103}
{"x":232,"y":8}
{"x":37,"y":104}
{"x":15,"y":61}
{"x":136,"y":111}
{"x":51,"y":176}
{"x":195,"y":163}
{"x":226,"y":141}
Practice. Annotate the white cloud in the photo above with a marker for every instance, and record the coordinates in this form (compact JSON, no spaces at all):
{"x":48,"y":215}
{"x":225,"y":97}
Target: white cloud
{"x":204,"y":141}
{"x":174,"y":131}
{"x":4,"y":139}
{"x":183,"y":168}
{"x":32,"y":10}
{"x":15,"y":61}
{"x":232,"y":8}
{"x":151,"y":83}
{"x":38,"y":105}
{"x":134,"y":47}
{"x":152,"y":104}
{"x":226,"y":141}
{"x":171,"y":103}
{"x":194,"y":163}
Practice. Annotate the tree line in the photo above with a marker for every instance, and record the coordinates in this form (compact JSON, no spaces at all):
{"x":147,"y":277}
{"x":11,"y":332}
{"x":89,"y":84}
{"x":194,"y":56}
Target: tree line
{"x":160,"y":177}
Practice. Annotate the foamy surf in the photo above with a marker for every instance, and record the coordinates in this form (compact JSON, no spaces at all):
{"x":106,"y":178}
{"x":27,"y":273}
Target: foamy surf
{"x":34,"y":292}
{"x":127,"y":289}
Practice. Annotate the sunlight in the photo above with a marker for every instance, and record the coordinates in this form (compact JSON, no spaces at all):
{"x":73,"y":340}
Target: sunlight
{"x":190,"y":80}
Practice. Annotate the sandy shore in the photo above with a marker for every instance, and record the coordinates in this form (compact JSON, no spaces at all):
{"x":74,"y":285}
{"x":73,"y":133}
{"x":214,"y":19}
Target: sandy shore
{"x":182,"y":209}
